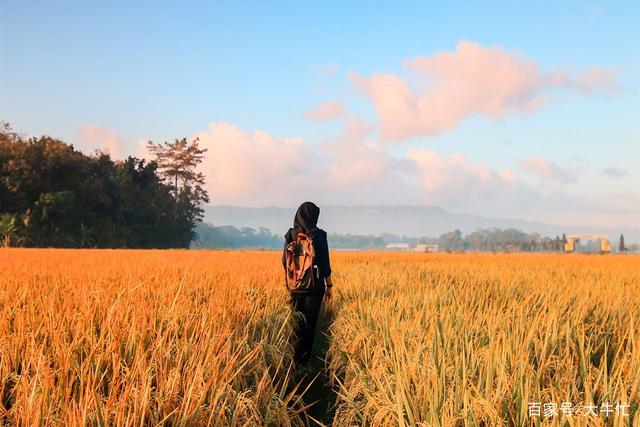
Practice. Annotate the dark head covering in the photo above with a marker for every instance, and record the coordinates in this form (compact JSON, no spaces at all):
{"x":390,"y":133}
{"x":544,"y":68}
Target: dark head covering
{"x":306,"y":219}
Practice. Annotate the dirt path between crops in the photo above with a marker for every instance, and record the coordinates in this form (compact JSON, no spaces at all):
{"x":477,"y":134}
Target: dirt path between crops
{"x":321,"y":395}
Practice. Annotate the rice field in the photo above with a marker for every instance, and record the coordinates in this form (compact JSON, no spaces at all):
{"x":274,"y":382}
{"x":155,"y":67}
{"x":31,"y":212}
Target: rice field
{"x":444,"y":340}
{"x":203,"y":338}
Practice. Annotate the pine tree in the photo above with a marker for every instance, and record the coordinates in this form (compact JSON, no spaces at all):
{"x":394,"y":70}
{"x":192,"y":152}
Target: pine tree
{"x":621,"y":246}
{"x":178,"y":163}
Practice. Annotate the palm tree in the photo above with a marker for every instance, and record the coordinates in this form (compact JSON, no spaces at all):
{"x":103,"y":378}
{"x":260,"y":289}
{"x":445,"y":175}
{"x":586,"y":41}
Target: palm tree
{"x":7,"y":228}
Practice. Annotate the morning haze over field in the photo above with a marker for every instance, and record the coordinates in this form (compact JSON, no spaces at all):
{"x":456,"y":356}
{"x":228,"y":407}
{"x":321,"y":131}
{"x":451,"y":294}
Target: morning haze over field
{"x":527,"y":112}
{"x":459,"y":184}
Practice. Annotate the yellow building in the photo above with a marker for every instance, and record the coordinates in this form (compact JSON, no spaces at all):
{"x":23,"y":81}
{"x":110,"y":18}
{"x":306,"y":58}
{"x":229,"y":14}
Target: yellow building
{"x":570,"y":245}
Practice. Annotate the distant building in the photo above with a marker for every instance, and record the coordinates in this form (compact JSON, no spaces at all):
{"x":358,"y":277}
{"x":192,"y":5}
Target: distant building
{"x":603,"y":242}
{"x":426,"y":247}
{"x":397,"y":246}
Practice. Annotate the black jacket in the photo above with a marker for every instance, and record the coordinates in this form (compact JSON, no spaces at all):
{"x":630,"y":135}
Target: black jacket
{"x":321,"y":248}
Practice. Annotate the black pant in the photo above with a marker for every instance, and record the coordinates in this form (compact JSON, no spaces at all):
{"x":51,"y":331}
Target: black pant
{"x":305,"y":329}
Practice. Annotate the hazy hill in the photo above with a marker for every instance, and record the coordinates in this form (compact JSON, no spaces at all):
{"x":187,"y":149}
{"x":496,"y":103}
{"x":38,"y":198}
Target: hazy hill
{"x":415,"y":221}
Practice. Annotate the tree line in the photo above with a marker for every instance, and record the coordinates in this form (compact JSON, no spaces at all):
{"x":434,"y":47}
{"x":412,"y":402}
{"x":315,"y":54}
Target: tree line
{"x":510,"y":240}
{"x":499,"y":240}
{"x":229,"y":237}
{"x":482,"y":240}
{"x":53,"y":195}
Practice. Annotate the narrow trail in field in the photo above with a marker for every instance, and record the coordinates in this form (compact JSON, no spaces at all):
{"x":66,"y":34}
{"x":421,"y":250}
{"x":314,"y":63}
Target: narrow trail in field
{"x":321,"y":394}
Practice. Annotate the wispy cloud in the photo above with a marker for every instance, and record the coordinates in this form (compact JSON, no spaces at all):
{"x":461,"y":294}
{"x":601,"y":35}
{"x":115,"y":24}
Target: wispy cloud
{"x":546,"y":170}
{"x":326,"y":70}
{"x":615,"y":172}
{"x":326,"y":111}
{"x":587,"y":81}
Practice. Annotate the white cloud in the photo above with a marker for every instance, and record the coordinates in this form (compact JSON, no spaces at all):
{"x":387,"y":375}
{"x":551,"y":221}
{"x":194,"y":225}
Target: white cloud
{"x":95,"y":137}
{"x":257,"y":169}
{"x":450,"y":86}
{"x":454,"y":180}
{"x":546,"y":170}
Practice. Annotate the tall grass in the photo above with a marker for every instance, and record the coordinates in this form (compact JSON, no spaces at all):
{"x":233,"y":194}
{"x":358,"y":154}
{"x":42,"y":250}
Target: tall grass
{"x":142,"y":338}
{"x":445,"y":340}
{"x":202,"y":338}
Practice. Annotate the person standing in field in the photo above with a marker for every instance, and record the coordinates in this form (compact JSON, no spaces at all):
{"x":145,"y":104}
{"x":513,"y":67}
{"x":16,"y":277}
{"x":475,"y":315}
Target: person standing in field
{"x":307,"y":275}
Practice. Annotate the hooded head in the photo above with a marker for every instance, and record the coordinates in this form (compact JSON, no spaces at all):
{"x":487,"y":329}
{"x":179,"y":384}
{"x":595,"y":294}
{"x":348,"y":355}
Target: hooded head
{"x":306,"y":218}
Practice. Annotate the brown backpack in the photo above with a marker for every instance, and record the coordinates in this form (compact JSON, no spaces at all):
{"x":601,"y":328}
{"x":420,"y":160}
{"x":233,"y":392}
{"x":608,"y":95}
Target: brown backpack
{"x":299,"y":267}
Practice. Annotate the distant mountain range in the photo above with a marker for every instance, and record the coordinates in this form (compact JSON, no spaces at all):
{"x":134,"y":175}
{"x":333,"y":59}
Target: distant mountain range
{"x":413,"y":221}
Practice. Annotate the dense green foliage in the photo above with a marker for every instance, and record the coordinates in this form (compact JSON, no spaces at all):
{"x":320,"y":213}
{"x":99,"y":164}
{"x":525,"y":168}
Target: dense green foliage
{"x":54,"y":195}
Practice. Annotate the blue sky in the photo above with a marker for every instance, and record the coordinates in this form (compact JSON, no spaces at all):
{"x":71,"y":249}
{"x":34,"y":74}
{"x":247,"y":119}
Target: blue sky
{"x":125,"y":72}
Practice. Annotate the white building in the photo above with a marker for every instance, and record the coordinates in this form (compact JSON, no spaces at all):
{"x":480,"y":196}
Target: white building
{"x":426,"y":247}
{"x":398,"y":246}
